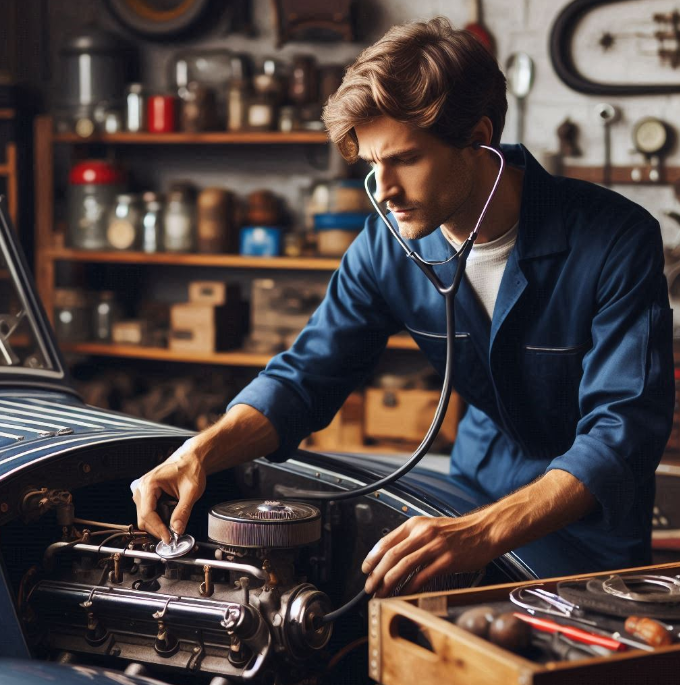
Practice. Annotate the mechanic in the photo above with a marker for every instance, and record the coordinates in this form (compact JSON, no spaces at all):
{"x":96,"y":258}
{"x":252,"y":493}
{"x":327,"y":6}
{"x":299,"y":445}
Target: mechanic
{"x":563,"y":346}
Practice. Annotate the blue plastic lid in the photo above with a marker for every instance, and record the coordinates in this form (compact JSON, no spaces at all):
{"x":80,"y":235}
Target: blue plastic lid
{"x":344,"y":221}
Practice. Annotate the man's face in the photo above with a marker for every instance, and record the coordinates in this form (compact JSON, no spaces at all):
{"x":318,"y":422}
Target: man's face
{"x":425,"y":183}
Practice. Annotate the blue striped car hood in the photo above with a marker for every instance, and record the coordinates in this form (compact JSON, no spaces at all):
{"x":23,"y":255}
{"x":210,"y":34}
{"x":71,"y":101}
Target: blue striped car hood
{"x":36,"y":425}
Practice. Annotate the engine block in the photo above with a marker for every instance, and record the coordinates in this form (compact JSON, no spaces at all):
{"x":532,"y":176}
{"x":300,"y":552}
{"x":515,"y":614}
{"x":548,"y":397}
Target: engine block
{"x":220,"y":610}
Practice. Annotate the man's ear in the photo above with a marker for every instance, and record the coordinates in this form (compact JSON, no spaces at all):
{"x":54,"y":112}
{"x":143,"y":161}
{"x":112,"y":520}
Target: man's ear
{"x":482,"y":133}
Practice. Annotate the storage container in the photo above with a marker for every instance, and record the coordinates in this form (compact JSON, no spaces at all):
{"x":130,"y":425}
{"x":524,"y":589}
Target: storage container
{"x":335,"y":232}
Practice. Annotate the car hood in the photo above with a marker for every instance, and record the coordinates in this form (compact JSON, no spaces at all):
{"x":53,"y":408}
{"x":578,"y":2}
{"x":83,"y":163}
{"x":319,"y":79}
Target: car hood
{"x":37,"y":425}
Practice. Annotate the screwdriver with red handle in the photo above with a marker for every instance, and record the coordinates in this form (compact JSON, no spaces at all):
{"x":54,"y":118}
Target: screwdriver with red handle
{"x":576,"y":634}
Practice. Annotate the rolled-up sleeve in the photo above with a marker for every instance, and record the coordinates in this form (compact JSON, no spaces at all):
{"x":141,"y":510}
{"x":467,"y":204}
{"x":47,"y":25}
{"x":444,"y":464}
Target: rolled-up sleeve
{"x":302,"y":388}
{"x":626,"y":395}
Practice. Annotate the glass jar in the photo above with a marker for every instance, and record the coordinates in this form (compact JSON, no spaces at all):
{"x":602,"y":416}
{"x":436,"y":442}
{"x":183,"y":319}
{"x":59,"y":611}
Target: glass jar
{"x":71,"y":315}
{"x":93,"y":186}
{"x":106,"y":312}
{"x":152,"y":223}
{"x":125,"y":223}
{"x":179,"y":219}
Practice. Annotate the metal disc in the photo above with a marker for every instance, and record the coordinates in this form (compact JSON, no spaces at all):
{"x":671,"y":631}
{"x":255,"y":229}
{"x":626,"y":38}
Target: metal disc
{"x":184,"y":545}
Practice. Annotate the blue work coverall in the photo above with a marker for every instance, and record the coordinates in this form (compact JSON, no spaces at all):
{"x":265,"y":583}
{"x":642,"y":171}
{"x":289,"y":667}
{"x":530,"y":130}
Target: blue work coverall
{"x":573,"y":372}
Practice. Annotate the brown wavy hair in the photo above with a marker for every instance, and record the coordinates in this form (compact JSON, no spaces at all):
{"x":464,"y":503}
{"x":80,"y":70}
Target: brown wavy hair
{"x":426,"y":74}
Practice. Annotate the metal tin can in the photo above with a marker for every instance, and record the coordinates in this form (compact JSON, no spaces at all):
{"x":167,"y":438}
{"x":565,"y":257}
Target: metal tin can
{"x":162,"y":114}
{"x":136,"y":108}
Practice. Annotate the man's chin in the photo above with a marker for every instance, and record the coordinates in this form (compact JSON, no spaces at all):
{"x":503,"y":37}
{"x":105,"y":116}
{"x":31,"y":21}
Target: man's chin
{"x":413,"y":231}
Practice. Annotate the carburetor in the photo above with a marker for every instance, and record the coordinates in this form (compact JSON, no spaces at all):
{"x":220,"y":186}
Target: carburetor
{"x":234,"y":607}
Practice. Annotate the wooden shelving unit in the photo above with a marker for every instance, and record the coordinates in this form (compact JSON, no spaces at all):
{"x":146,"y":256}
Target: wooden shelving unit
{"x":48,"y":254}
{"x":231,"y":358}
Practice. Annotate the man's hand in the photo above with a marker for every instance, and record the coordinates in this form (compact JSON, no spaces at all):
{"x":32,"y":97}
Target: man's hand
{"x":438,"y":546}
{"x":451,"y":545}
{"x":239,"y":436}
{"x":183,"y":476}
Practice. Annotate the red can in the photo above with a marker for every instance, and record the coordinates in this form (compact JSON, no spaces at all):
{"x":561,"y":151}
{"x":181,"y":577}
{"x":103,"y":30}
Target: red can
{"x":162,"y":114}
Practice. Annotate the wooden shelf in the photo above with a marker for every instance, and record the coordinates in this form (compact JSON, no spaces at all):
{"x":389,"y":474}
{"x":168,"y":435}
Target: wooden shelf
{"x":621,"y":175}
{"x":232,"y":358}
{"x":186,"y":259}
{"x":213,"y":138}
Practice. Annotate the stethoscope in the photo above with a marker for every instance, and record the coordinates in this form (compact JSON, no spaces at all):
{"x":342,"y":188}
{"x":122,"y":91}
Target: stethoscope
{"x":449,"y":294}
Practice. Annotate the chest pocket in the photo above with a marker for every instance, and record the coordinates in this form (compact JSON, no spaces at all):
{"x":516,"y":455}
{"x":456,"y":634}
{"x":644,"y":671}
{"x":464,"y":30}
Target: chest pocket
{"x":470,"y":375}
{"x":552,"y":376}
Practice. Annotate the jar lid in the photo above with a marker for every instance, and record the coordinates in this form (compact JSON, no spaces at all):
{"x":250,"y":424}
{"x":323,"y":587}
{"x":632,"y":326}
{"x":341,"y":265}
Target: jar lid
{"x":95,"y":172}
{"x":348,"y":183}
{"x":344,"y":221}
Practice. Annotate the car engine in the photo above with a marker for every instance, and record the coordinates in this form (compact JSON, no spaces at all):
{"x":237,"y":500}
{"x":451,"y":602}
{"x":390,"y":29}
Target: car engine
{"x":236,"y":606}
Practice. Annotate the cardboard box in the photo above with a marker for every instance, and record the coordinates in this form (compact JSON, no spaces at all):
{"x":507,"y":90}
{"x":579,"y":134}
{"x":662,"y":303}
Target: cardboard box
{"x":407,"y":414}
{"x":204,"y":328}
{"x":212,"y":292}
{"x":400,"y":627}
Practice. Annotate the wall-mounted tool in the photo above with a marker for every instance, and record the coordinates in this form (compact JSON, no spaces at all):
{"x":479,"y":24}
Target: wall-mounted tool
{"x":519,"y":70}
{"x":568,"y":132}
{"x":477,"y":28}
{"x":607,"y":114}
{"x":652,"y":138}
{"x":563,"y":46}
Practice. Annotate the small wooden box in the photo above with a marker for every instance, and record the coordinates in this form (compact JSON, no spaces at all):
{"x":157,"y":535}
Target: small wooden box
{"x":129,"y":332}
{"x":204,"y":328}
{"x":461,"y":658}
{"x":212,"y":292}
{"x":407,"y":414}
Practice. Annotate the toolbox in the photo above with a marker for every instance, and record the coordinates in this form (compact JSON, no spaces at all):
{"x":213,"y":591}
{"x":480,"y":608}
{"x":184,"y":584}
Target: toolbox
{"x":413,"y":640}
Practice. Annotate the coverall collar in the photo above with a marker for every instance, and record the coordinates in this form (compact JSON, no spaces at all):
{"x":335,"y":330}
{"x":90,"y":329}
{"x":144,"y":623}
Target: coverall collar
{"x":541,"y":226}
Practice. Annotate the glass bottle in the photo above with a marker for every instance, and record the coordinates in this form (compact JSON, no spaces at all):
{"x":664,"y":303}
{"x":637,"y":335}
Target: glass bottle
{"x":179,"y":219}
{"x":152,"y":223}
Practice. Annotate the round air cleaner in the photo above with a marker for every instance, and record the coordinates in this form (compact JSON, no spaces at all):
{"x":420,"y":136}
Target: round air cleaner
{"x":254,"y":523}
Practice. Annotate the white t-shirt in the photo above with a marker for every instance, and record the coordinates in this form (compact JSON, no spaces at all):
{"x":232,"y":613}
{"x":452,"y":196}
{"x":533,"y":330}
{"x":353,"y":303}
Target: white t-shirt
{"x":485,"y":266}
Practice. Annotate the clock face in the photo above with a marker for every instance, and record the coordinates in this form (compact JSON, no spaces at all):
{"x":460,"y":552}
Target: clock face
{"x":650,"y":136}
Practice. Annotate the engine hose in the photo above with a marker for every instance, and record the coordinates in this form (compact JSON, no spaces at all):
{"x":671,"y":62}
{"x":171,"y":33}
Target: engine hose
{"x":341,"y":611}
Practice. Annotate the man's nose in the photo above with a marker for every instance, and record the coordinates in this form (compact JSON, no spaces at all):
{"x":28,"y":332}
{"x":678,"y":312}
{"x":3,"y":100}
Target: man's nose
{"x":386,"y":185}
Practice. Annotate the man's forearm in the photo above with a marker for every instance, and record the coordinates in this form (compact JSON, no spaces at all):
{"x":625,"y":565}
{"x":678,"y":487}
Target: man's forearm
{"x":542,"y":507}
{"x":241,"y":435}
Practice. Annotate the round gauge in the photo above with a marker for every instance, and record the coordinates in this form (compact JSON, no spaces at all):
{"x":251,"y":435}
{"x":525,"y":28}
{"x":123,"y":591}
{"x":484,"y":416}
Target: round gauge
{"x":650,"y":136}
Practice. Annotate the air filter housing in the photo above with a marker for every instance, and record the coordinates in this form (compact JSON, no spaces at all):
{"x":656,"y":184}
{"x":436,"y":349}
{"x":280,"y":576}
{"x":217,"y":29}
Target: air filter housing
{"x":264,"y":524}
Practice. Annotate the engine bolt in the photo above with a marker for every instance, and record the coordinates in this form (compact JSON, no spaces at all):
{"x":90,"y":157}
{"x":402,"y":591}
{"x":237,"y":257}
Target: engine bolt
{"x":206,"y":588}
{"x":85,"y":467}
{"x":4,"y":508}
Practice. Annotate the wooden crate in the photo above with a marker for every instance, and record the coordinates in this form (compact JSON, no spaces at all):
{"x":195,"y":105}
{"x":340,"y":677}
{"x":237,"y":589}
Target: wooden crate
{"x":460,"y":658}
